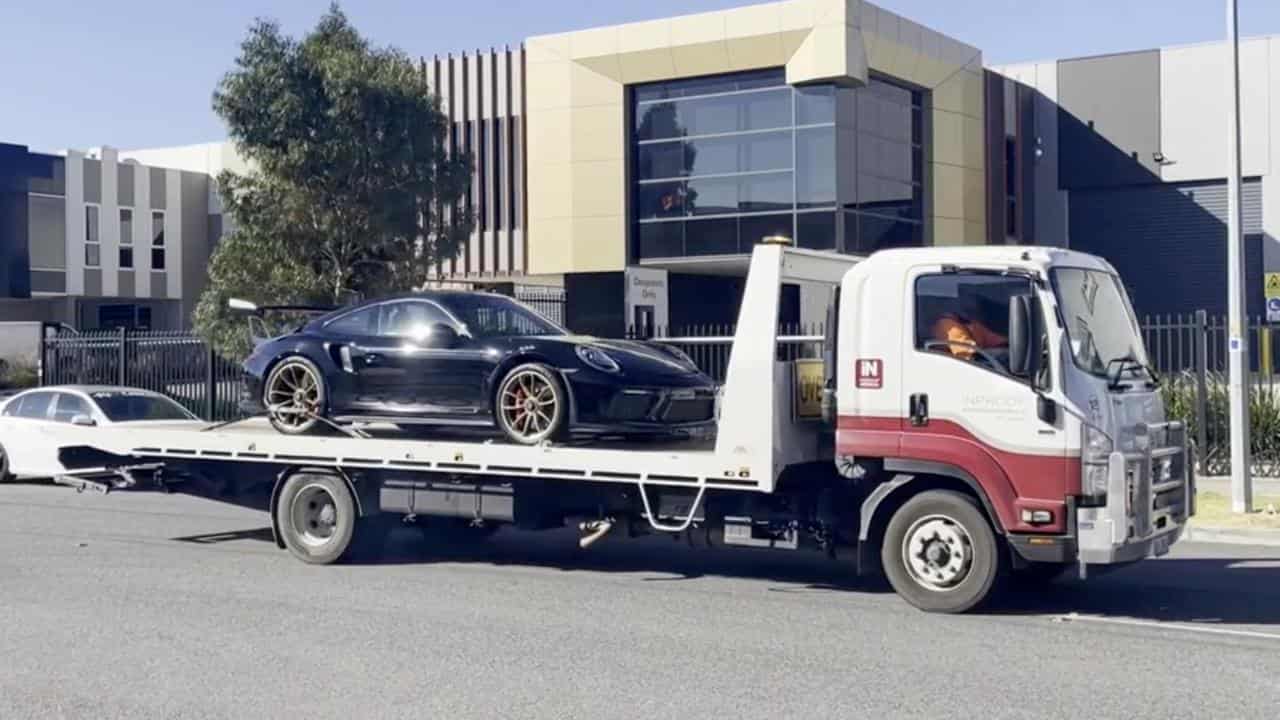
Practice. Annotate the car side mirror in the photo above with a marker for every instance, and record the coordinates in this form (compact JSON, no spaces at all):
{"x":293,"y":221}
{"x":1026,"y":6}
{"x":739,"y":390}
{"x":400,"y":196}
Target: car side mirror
{"x":1046,"y":410}
{"x":1021,"y":327}
{"x":443,"y":335}
{"x":83,"y":421}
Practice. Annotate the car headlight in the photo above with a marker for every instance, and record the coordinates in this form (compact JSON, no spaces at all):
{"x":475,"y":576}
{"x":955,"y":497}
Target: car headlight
{"x":596,"y":358}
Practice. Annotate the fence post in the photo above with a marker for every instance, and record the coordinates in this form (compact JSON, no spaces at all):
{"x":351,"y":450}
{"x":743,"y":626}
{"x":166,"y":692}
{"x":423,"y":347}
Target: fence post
{"x":210,"y":386}
{"x":123,"y":339}
{"x":1202,"y":389}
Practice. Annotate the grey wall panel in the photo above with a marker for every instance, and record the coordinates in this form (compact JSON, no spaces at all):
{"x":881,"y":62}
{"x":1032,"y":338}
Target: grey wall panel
{"x":56,"y":183}
{"x":92,"y":282}
{"x":92,"y":180}
{"x":195,"y":236}
{"x":159,"y":285}
{"x":50,"y":281}
{"x":1120,"y":96}
{"x":125,"y":283}
{"x":1168,"y":242}
{"x":47,"y":231}
{"x":124,"y":184}
{"x":158,"y":193}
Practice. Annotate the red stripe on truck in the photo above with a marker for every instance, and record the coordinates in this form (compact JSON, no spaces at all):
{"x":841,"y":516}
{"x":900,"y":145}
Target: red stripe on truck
{"x":1013,"y":481}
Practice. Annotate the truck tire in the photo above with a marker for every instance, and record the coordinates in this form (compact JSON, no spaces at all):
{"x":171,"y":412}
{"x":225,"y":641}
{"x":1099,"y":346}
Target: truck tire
{"x":316,"y":517}
{"x":940,"y":552}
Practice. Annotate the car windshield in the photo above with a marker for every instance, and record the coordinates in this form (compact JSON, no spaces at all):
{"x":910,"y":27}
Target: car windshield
{"x":487,"y":315}
{"x":132,"y":407}
{"x":1100,"y":323}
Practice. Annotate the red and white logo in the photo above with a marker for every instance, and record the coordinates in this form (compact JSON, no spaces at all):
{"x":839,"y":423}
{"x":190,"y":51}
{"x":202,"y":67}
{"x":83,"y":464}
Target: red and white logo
{"x":870,"y":374}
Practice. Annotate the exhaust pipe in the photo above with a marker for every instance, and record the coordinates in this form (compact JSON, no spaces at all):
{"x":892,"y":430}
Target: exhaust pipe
{"x":594,"y":529}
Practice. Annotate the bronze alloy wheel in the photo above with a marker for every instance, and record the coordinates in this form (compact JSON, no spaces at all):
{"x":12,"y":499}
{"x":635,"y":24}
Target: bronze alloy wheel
{"x":530,"y":405}
{"x":294,"y":396}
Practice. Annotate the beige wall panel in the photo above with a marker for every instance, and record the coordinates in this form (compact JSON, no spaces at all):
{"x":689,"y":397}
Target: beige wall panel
{"x":947,"y":231}
{"x":804,"y":14}
{"x":698,"y":29}
{"x":641,"y":36}
{"x":647,"y":66}
{"x":548,"y":85}
{"x":758,"y":51}
{"x":550,"y":135}
{"x":596,"y":42}
{"x":753,"y":20}
{"x":961,"y":93}
{"x":547,"y":48}
{"x":701,"y":58}
{"x":957,"y":139}
{"x":598,"y":133}
{"x":588,"y":87}
{"x":599,"y":244}
{"x":550,"y":246}
{"x":948,"y":190}
{"x":597,"y":188}
{"x":549,"y":197}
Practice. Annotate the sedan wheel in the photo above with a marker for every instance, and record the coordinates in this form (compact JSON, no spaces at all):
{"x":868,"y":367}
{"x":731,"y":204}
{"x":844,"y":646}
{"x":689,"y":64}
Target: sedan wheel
{"x":294,"y":396}
{"x":531,"y":405}
{"x":4,"y":466}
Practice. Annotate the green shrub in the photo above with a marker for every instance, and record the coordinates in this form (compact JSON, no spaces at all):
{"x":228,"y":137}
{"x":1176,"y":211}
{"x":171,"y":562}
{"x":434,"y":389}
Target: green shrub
{"x":1179,"y":393}
{"x":18,"y":374}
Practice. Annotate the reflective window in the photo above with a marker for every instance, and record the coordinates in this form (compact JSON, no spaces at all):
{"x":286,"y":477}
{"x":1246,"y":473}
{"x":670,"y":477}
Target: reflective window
{"x":157,"y":240}
{"x":708,"y":151}
{"x":128,"y":406}
{"x":411,"y":319}
{"x":360,"y":322}
{"x":92,"y":248}
{"x":35,"y":405}
{"x":69,"y":406}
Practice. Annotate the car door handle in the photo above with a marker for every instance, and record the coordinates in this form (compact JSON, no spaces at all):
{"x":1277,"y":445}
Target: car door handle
{"x":918,"y":408}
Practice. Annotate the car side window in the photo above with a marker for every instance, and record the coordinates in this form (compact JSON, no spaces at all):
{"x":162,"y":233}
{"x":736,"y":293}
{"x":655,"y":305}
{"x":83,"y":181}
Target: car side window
{"x":35,"y":406}
{"x":67,"y":406}
{"x":965,"y":315}
{"x":359,"y":322}
{"x":411,"y":319}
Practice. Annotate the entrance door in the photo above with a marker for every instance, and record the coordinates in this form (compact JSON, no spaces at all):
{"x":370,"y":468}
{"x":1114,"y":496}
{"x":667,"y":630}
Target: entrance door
{"x":642,"y":322}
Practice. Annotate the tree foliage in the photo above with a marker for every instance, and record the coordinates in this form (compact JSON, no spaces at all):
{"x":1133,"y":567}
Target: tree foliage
{"x":352,"y":189}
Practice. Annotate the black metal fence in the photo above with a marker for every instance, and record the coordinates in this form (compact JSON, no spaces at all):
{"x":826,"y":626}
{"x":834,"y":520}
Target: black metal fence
{"x":1189,"y":350}
{"x":549,"y":301}
{"x":176,"y":364}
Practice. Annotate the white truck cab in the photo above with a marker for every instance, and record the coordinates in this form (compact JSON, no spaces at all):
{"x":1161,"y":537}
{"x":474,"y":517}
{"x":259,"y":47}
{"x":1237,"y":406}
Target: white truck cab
{"x":1021,"y":373}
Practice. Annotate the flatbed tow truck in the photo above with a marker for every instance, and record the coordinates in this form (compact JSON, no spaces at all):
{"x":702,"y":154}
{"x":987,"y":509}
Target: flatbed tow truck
{"x":950,"y":471}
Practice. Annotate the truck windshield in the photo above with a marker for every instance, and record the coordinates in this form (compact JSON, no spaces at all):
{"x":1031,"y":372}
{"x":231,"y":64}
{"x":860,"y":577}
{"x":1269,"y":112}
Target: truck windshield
{"x":1101,"y":328}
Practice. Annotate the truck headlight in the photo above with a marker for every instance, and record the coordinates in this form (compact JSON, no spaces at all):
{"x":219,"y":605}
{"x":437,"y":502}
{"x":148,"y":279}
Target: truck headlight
{"x":1096,"y":451}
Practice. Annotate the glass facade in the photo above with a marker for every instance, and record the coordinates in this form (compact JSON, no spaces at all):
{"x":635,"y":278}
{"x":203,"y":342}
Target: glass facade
{"x":721,"y":162}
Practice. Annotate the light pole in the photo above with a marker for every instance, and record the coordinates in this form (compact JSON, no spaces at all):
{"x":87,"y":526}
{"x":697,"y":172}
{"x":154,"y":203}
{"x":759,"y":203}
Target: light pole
{"x":1237,"y":320}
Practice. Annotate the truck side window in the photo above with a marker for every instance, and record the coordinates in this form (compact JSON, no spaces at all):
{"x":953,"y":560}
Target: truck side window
{"x":966,"y":315}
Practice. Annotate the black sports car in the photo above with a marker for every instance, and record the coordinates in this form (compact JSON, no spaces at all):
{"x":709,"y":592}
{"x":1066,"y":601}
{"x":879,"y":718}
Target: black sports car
{"x":468,"y":358}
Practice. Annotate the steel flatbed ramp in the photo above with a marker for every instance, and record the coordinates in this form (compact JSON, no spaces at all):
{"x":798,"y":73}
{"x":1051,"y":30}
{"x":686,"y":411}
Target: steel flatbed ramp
{"x":690,"y":463}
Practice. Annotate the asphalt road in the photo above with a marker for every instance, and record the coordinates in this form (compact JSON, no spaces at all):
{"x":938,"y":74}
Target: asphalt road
{"x":150,"y":606}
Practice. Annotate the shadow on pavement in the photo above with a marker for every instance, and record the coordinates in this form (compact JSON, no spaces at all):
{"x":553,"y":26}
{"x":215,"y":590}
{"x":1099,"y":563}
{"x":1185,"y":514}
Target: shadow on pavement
{"x":1201,"y":590}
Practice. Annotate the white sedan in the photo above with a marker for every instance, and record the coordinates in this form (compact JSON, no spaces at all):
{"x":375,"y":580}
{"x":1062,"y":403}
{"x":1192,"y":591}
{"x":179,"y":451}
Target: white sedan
{"x":30,"y":421}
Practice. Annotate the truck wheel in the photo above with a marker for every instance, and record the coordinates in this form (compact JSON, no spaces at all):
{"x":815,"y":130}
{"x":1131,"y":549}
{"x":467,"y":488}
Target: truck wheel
{"x":531,"y":405}
{"x":940,"y":552}
{"x":316,"y":517}
{"x":294,"y":396}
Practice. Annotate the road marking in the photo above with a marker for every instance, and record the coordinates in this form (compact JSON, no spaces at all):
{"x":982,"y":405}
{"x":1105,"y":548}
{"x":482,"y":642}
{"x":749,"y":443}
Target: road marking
{"x":1074,"y":617}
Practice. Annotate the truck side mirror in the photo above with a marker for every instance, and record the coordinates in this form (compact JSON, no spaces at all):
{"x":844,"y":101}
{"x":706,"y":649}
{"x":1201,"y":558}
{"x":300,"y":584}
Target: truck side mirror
{"x":1021,"y":327}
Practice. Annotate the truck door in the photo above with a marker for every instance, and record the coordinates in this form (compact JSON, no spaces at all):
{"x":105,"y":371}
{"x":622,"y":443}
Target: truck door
{"x":965,"y":407}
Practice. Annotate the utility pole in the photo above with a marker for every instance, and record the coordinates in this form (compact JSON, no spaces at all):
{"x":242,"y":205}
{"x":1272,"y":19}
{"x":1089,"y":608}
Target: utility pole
{"x":1237,"y":320}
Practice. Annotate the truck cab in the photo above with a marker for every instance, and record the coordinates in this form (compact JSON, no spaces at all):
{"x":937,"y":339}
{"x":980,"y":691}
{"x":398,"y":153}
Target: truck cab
{"x":1017,"y":376}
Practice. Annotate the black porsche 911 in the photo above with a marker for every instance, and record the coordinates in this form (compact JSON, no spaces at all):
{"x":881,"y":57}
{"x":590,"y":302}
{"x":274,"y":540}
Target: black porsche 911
{"x":472,"y":359}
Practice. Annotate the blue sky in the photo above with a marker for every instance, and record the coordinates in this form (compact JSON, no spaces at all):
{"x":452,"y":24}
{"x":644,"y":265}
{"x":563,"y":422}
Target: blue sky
{"x":139,"y":73}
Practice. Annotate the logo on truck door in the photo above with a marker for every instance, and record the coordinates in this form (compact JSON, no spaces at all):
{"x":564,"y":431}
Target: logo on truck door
{"x":870,"y":374}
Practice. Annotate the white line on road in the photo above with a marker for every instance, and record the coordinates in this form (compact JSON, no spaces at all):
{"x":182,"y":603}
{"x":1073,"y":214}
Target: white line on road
{"x":1074,"y":617}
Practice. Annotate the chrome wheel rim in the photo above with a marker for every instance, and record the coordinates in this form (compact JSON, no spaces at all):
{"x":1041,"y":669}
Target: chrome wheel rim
{"x":293,"y":396}
{"x":528,"y":404}
{"x":314,"y":514}
{"x":937,"y":552}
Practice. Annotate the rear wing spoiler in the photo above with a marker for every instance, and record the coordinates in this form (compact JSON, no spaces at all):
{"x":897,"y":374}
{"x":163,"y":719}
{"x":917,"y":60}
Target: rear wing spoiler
{"x":254,"y":315}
